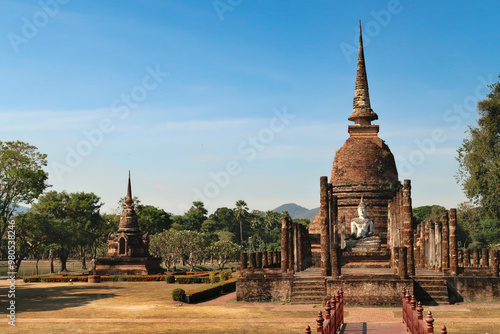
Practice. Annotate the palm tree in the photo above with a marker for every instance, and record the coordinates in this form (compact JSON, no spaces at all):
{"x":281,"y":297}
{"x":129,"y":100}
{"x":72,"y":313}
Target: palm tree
{"x":241,"y":211}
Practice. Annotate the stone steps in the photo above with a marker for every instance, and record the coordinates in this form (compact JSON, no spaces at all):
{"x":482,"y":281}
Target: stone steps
{"x":308,"y":288}
{"x":431,"y":290}
{"x":369,"y":264}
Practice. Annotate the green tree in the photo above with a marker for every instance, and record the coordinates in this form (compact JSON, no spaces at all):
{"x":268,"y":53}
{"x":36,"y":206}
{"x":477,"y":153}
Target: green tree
{"x":152,"y":219}
{"x":22,"y":178}
{"x":75,"y":221}
{"x":241,"y":212}
{"x":225,"y":220}
{"x":479,"y":157}
{"x":468,"y":218}
{"x":196,"y":248}
{"x":32,"y":237}
{"x":428,"y":213}
{"x":195,"y":216}
{"x":224,"y":251}
{"x":166,"y":245}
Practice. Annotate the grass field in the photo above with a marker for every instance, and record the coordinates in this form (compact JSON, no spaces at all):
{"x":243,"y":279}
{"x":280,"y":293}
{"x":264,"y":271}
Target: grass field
{"x":147,"y":307}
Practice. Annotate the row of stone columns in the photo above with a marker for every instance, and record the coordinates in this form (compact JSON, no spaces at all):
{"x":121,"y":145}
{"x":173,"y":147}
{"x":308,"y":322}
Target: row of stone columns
{"x":295,"y":246}
{"x":259,"y":260}
{"x":483,"y":258}
{"x":436,"y":245}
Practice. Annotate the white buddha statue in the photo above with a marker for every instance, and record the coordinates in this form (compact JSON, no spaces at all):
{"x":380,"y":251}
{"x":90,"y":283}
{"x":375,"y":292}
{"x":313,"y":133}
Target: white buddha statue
{"x":362,"y":226}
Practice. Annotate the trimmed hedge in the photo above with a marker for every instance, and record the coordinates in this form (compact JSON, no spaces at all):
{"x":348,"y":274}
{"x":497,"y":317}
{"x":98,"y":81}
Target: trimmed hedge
{"x":104,"y":278}
{"x":210,"y":291}
{"x":32,"y":279}
{"x":193,"y":279}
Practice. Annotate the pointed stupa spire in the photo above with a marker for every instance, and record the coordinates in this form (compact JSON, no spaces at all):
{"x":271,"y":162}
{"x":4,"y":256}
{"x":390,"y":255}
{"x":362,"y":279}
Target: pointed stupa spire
{"x":128,"y":200}
{"x":362,"y":113}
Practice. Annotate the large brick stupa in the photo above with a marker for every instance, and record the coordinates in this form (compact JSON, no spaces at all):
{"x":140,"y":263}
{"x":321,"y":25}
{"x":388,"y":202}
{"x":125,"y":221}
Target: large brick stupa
{"x":364,"y":166}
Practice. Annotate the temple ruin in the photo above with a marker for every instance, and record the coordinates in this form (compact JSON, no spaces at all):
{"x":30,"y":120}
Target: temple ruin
{"x":365,"y":240}
{"x":128,"y":249}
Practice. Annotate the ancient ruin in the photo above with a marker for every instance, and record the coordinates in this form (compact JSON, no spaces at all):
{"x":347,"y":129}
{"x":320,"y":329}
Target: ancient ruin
{"x":128,"y":249}
{"x":364,"y":239}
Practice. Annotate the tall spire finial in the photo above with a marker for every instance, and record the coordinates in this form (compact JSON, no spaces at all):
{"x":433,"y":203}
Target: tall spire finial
{"x":362,"y":113}
{"x":128,"y":200}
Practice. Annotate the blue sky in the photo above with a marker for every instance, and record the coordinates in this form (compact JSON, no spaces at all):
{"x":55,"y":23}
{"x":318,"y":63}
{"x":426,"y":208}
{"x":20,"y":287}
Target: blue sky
{"x":237,"y":99}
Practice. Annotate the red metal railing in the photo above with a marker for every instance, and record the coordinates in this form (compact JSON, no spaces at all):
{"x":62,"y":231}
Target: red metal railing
{"x":413,"y":316}
{"x":334,"y":315}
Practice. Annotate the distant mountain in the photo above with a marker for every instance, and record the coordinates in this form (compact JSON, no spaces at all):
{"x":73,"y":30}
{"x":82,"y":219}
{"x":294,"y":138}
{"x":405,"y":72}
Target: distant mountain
{"x":297,"y":211}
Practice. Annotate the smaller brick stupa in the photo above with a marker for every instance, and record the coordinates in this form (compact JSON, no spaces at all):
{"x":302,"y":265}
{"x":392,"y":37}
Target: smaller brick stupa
{"x":128,"y":249}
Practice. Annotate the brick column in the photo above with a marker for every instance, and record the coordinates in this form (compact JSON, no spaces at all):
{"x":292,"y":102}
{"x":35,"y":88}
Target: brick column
{"x":291,"y":255}
{"x":336,"y":261}
{"x":494,"y":262}
{"x":264,"y":260}
{"x":427,"y":249}
{"x":422,"y":245}
{"x":270,"y":262}
{"x":475,"y":258}
{"x":407,"y":227}
{"x":258,"y":257}
{"x":453,"y":243}
{"x":253,"y":263}
{"x":243,"y":260}
{"x":300,"y":243}
{"x":395,"y":255}
{"x":445,"y":242}
{"x":284,"y":244}
{"x":439,"y":243}
{"x":416,"y":242}
{"x":324,"y":225}
{"x":432,"y":246}
{"x":334,"y":229}
{"x":484,"y":258}
{"x":403,"y":264}
{"x":466,"y":258}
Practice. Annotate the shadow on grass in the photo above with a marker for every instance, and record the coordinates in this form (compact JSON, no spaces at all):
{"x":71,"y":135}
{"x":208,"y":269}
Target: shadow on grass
{"x":37,"y":299}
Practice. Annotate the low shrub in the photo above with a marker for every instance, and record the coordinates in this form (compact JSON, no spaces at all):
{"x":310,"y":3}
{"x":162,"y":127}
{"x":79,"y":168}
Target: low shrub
{"x":210,"y":291}
{"x":170,"y":279}
{"x":226,"y":274}
{"x":211,"y":276}
{"x":178,"y":294}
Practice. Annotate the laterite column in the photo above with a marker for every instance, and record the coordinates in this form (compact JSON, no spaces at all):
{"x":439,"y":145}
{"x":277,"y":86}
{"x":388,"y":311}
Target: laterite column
{"x":445,"y":242}
{"x":453,"y":243}
{"x":284,"y":244}
{"x":324,"y":225}
{"x":407,"y":227}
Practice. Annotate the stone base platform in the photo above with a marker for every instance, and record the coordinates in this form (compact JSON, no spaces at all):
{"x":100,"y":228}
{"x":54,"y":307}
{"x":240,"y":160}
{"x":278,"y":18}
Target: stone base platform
{"x":368,"y":258}
{"x":372,"y":243}
{"x":128,"y":266}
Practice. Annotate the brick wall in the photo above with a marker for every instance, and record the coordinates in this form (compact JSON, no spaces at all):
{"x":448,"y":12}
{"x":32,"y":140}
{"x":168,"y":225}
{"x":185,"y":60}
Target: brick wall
{"x":370,"y":290}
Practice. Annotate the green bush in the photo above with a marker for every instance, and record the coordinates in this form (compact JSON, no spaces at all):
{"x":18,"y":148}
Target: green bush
{"x":170,"y":279}
{"x":211,"y":276}
{"x":178,"y":294}
{"x":226,"y":274}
